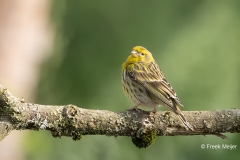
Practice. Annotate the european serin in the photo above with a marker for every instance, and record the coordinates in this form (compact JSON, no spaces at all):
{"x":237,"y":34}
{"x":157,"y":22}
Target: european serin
{"x":144,"y":83}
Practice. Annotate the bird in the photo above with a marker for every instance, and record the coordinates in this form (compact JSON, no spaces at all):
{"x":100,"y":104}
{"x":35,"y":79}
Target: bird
{"x":144,"y":83}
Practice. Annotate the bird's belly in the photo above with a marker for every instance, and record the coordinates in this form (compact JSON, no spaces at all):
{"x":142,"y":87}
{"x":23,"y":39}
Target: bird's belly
{"x":137,"y":93}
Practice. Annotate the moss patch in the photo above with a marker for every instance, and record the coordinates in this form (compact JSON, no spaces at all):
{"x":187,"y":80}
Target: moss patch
{"x":144,"y":138}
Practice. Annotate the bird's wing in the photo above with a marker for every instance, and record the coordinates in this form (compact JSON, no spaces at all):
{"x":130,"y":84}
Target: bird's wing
{"x":153,"y":80}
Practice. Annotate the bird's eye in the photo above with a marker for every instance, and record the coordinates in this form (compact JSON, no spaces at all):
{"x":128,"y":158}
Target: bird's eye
{"x":142,"y":54}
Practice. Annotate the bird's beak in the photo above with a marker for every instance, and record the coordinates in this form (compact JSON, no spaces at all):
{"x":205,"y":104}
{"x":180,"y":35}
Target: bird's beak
{"x":134,"y":53}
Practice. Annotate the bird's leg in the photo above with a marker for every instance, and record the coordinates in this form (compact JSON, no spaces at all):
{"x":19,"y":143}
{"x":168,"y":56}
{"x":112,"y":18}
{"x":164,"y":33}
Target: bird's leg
{"x":154,"y":109}
{"x":135,"y":108}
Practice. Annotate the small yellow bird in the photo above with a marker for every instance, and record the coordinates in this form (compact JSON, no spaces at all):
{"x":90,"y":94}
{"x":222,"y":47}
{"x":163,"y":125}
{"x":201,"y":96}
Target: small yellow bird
{"x":144,"y":83}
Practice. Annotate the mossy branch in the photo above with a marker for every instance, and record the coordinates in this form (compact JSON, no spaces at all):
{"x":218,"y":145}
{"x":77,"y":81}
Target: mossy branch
{"x":143,"y":126}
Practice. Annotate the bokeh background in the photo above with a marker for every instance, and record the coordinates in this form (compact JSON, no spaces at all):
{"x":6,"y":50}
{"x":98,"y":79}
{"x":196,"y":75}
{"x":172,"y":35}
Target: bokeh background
{"x":70,"y":52}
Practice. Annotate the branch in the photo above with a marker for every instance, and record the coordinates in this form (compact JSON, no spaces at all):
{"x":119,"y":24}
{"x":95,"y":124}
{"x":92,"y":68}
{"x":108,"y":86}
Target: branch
{"x":143,"y":126}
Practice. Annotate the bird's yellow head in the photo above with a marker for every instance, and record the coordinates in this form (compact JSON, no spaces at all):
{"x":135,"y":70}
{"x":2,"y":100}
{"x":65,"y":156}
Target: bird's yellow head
{"x":138,"y":54}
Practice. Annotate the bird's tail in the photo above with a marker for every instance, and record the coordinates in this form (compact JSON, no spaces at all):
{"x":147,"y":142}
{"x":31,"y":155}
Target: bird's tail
{"x":185,"y":122}
{"x":182,"y":118}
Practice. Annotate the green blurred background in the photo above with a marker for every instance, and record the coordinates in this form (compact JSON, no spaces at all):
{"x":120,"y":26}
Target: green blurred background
{"x":195,"y":43}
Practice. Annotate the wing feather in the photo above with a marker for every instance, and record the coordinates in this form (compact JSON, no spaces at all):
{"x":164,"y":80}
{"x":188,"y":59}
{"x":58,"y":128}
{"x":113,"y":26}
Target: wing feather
{"x":151,"y":77}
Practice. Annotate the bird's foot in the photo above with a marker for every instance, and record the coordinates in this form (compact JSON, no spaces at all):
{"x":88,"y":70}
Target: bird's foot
{"x":135,"y":108}
{"x":154,"y":110}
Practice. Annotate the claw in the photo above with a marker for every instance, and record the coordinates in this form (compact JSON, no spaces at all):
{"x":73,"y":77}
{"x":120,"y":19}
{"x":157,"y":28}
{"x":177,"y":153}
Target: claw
{"x":135,"y":108}
{"x":154,"y":110}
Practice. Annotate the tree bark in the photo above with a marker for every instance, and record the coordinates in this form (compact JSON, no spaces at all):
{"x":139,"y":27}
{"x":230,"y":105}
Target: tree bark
{"x":142,"y":126}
